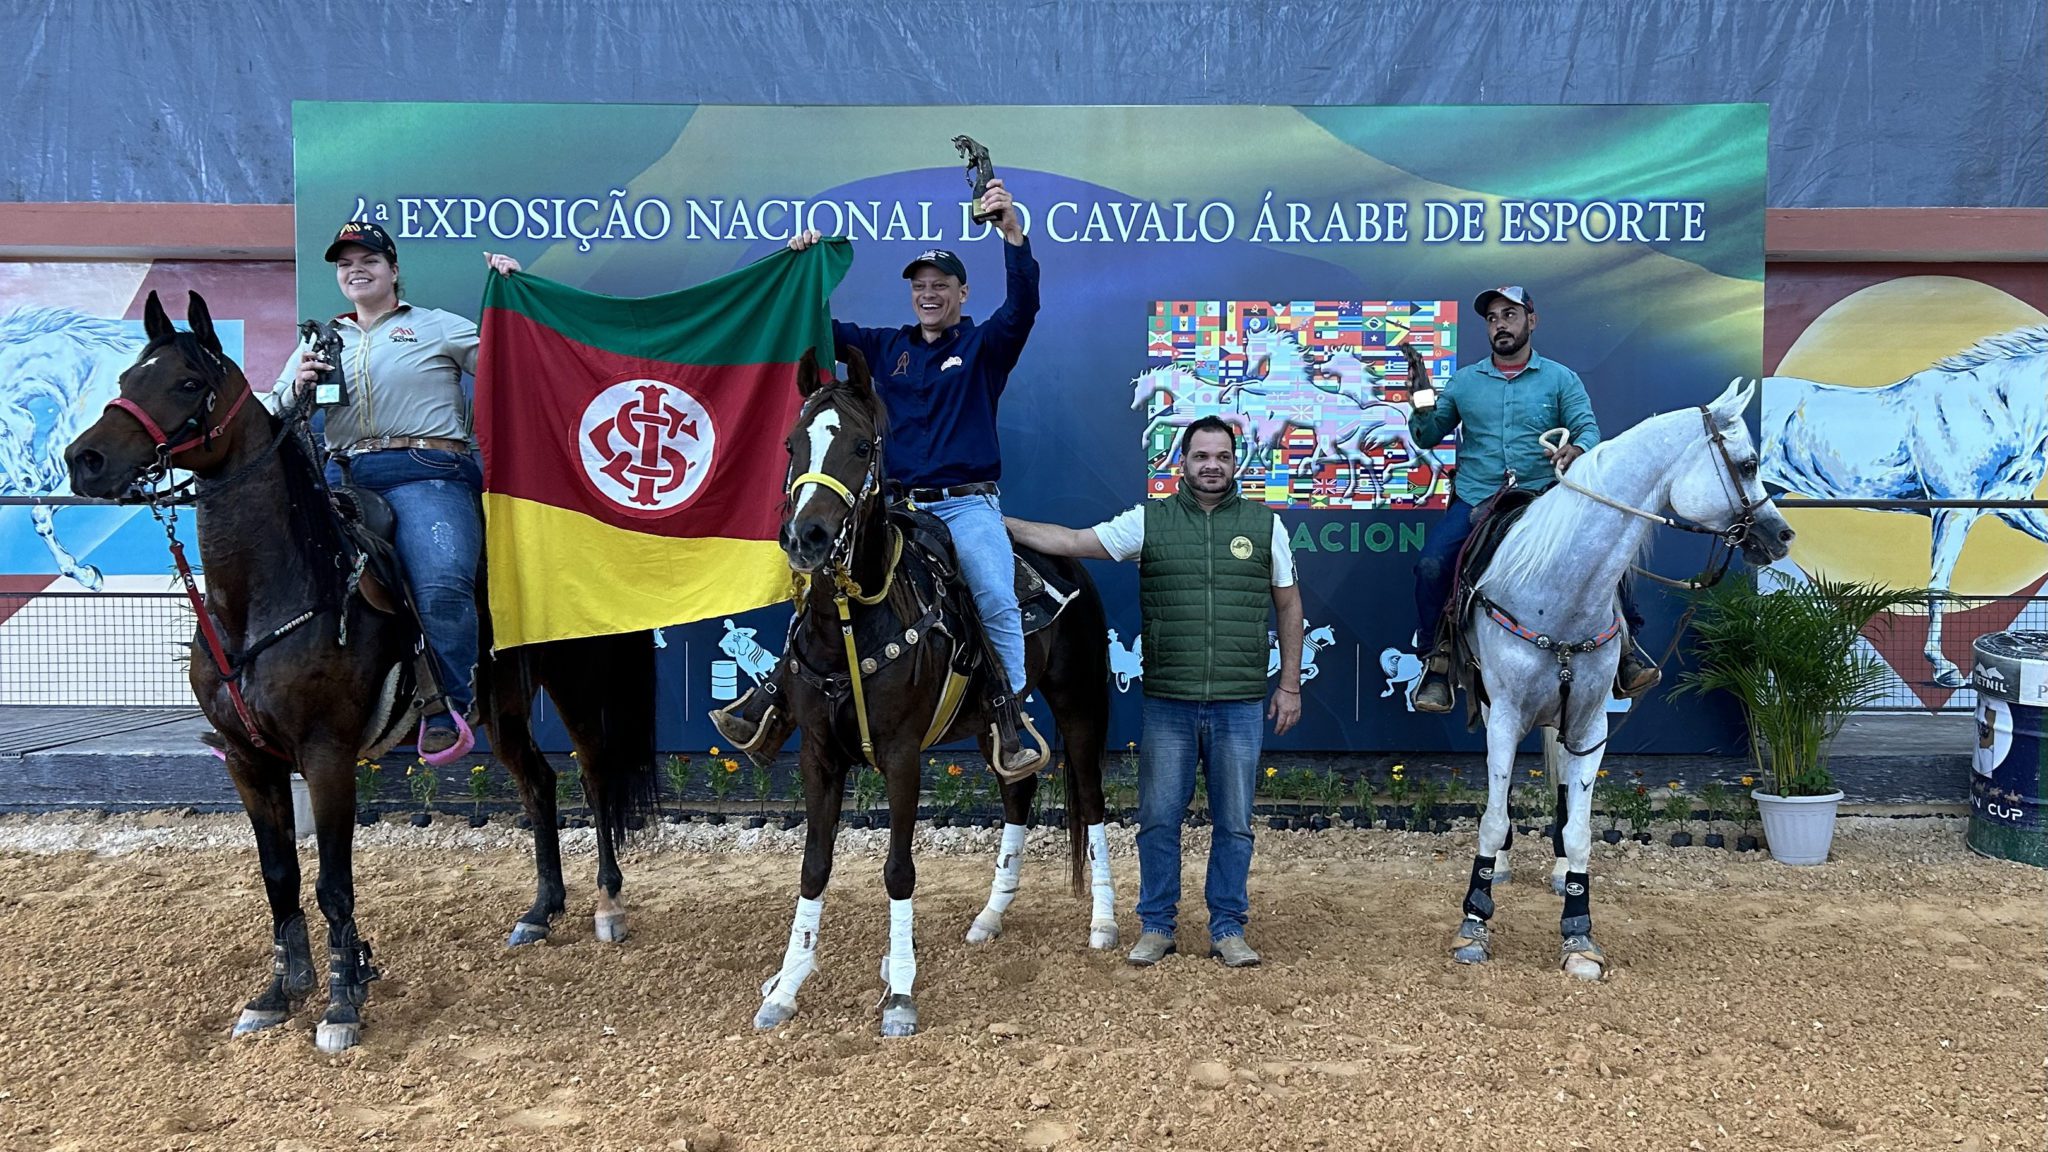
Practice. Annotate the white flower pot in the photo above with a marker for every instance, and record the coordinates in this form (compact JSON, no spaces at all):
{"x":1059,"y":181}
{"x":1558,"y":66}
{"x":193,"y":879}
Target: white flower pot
{"x":1798,"y":829}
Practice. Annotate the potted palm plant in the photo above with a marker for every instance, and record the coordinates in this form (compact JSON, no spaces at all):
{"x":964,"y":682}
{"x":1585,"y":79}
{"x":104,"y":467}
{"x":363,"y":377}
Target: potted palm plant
{"x":1789,"y":654}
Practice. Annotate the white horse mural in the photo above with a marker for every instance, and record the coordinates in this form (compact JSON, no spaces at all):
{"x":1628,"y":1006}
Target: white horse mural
{"x":739,"y":643}
{"x":1127,"y":665}
{"x":1404,"y":674}
{"x":1313,"y":641}
{"x":58,"y":369}
{"x":1973,"y":426}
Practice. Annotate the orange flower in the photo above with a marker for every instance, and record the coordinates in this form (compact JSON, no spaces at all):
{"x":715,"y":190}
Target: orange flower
{"x":732,"y":765}
{"x":952,"y":769}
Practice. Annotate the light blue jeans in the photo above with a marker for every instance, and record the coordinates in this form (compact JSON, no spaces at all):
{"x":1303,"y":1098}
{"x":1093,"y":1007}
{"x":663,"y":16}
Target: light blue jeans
{"x":982,"y":545}
{"x":434,"y":496}
{"x":1182,"y":737}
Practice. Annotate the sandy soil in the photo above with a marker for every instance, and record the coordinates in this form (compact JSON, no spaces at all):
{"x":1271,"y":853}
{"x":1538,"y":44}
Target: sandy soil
{"x":1894,"y":999}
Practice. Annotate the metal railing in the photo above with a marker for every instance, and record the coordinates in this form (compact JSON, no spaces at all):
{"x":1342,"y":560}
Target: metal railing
{"x":105,"y":648}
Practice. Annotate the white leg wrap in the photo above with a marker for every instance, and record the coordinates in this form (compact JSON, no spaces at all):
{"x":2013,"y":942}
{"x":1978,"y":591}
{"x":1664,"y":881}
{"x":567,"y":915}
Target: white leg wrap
{"x":800,"y":959}
{"x":1003,"y":889}
{"x":899,"y":967}
{"x":1098,"y":867}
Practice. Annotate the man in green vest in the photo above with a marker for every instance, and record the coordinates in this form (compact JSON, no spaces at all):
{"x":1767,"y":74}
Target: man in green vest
{"x":1212,"y":566}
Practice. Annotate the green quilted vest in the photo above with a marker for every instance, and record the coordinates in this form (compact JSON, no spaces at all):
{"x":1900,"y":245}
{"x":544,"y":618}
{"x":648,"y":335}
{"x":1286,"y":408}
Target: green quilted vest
{"x":1205,"y":585}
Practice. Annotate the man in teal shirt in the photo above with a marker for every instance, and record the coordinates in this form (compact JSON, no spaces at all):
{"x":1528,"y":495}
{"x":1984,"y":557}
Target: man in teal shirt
{"x":1504,"y":404}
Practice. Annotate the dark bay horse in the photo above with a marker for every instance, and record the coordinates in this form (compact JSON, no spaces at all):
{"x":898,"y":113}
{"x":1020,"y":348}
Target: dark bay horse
{"x":319,"y":677}
{"x":895,"y":696}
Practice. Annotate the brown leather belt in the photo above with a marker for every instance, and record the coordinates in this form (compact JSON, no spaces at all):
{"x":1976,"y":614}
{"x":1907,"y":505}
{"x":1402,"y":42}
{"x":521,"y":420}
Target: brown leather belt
{"x":934,"y":495}
{"x":388,"y":443}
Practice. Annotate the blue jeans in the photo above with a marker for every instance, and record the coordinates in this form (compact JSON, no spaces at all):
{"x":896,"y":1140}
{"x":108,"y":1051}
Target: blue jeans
{"x":1435,"y":569}
{"x":1223,"y":737}
{"x":982,"y":546}
{"x":435,"y":497}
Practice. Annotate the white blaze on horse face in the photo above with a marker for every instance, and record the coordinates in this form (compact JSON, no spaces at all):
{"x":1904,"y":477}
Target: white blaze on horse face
{"x":824,"y":427}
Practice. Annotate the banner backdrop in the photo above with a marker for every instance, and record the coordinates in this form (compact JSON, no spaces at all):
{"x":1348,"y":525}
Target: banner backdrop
{"x":1262,"y":262}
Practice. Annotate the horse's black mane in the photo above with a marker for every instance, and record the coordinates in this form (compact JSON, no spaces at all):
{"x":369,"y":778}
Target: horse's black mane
{"x":310,"y":522}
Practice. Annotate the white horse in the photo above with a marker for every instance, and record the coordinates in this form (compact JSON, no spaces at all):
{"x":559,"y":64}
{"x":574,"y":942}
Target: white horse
{"x":1313,"y":641}
{"x":1971,"y":427}
{"x":58,"y":369}
{"x":1547,"y":618}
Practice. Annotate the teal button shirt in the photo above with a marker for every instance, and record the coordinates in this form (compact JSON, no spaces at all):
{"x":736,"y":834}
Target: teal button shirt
{"x":1502,"y":420}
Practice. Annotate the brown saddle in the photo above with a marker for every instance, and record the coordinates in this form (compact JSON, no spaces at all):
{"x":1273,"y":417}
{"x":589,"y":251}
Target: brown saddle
{"x":372,"y":529}
{"x":1041,"y":594}
{"x":1490,"y":526}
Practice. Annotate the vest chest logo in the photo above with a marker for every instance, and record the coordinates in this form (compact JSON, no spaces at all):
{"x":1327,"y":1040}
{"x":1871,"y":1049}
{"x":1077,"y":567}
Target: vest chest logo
{"x":1241,"y":547}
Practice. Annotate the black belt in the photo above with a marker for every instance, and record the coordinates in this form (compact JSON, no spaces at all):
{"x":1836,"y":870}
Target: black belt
{"x":934,"y":495}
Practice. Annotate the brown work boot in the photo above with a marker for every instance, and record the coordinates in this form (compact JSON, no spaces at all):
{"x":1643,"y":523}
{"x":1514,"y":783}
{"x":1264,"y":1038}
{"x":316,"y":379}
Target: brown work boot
{"x":1637,"y":674}
{"x":1436,"y":693}
{"x":1014,"y":761}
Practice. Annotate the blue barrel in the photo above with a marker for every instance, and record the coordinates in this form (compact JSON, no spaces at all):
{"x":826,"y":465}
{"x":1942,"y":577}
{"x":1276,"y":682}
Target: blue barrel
{"x":2009,"y":777}
{"x":725,"y":680}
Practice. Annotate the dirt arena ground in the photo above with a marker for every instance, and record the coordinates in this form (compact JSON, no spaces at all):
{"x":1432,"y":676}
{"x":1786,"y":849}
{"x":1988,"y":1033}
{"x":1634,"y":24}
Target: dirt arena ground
{"x":1895,"y":999}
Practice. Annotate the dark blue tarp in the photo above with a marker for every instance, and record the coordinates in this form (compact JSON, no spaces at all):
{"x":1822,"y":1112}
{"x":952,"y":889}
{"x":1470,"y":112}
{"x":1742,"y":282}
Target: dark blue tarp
{"x":1874,"y":103}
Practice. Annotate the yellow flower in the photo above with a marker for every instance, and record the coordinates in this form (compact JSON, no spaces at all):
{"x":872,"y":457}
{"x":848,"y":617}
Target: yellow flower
{"x":408,"y":769}
{"x":1399,"y":767}
{"x":952,"y":769}
{"x":1535,"y":773}
{"x":1132,"y":746}
{"x":1748,"y":780}
{"x":1271,"y":771}
{"x":476,"y":770}
{"x":714,"y":749}
{"x":1673,"y":785}
{"x":732,"y":765}
{"x":1603,"y":774}
{"x":575,"y":755}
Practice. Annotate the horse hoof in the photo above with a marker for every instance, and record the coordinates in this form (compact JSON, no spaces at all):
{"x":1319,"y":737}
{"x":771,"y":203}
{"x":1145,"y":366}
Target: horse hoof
{"x":984,"y":930}
{"x":773,"y":1015}
{"x":256,"y":1020}
{"x":899,"y":1017}
{"x":1472,"y":945}
{"x":525,"y":933}
{"x":1584,"y":968}
{"x":1102,"y":935}
{"x":611,"y":927}
{"x":334,"y":1039}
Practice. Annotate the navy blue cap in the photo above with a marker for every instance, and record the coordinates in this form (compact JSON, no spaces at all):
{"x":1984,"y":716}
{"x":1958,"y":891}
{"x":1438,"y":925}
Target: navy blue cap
{"x":941,"y":259}
{"x":363,"y":232}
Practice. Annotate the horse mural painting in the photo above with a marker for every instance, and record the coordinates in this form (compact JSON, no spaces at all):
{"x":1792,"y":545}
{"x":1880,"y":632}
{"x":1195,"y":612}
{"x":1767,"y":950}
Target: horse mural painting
{"x":58,"y":369}
{"x":298,"y":666}
{"x":1544,"y":615}
{"x":1973,"y":426}
{"x":879,"y":645}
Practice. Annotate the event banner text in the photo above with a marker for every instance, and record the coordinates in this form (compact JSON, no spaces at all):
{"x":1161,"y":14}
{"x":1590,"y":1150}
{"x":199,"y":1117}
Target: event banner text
{"x":617,"y":216}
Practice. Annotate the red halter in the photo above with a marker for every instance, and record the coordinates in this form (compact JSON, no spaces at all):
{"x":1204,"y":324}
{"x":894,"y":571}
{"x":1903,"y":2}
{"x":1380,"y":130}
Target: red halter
{"x":158,"y":437}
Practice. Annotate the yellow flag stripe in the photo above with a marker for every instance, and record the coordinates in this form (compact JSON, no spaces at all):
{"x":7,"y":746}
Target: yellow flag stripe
{"x":557,"y":574}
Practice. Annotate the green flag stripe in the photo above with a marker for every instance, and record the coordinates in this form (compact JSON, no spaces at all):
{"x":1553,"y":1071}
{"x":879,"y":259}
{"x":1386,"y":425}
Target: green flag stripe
{"x":770,"y":312}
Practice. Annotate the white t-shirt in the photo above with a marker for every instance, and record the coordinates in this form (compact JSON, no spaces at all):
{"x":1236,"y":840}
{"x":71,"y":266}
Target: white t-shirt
{"x":1123,"y":537}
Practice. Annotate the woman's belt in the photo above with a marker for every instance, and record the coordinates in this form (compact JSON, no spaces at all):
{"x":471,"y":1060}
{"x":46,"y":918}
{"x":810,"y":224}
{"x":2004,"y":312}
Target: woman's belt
{"x":388,"y":443}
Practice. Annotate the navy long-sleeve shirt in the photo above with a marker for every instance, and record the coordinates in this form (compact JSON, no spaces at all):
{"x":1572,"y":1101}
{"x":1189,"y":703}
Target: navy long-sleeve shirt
{"x":942,"y":395}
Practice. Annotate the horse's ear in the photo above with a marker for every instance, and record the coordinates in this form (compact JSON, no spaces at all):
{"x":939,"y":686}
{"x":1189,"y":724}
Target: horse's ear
{"x":807,"y":379}
{"x":201,"y":322}
{"x":1729,"y":406}
{"x":857,"y":371}
{"x":155,"y":324}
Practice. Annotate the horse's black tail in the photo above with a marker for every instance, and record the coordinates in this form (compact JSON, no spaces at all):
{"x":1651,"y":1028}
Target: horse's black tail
{"x":626,"y":734}
{"x":603,"y":686}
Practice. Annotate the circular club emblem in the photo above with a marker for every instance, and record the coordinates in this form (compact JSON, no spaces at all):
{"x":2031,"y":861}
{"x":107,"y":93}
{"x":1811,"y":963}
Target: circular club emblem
{"x":1241,"y":547}
{"x":646,"y":446}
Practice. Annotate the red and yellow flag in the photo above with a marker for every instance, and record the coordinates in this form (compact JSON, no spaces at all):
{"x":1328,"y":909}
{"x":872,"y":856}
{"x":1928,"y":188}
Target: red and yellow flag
{"x":633,"y":463}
